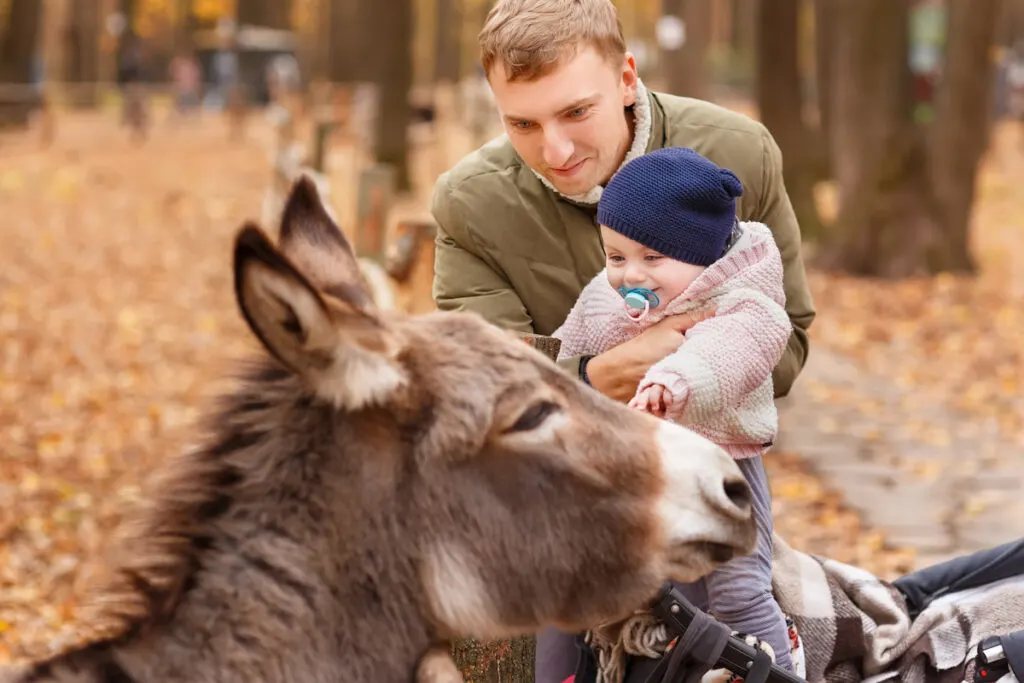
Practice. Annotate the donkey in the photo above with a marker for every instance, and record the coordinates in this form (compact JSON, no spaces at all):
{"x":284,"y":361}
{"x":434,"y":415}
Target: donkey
{"x":375,"y":486}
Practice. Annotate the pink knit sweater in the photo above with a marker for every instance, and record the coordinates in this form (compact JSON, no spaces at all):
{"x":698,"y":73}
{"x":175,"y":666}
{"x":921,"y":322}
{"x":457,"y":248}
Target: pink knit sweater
{"x":720,"y":379}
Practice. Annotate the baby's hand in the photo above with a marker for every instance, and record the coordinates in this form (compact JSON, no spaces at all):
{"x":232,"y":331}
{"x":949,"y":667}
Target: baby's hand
{"x":654,"y":400}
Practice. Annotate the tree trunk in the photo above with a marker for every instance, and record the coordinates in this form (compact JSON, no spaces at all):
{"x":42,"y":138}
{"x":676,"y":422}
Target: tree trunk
{"x":187,"y":24}
{"x":274,"y":14}
{"x":744,"y":29}
{"x":877,"y":153}
{"x":960,"y":135}
{"x":17,"y":52}
{"x":348,"y":44}
{"x":1011,"y":23}
{"x":505,"y":661}
{"x":824,"y":32}
{"x":267,"y":13}
{"x":780,"y":100}
{"x":393,"y":56}
{"x":127,"y":8}
{"x":905,"y":190}
{"x":446,"y":61}
{"x":82,"y":54}
{"x":697,"y":18}
{"x":686,"y":69}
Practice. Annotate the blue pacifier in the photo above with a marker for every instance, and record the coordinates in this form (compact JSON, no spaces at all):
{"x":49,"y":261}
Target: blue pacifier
{"x":639,"y":299}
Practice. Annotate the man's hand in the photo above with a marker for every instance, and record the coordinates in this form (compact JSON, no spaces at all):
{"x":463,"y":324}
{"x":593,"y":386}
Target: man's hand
{"x":617,"y":372}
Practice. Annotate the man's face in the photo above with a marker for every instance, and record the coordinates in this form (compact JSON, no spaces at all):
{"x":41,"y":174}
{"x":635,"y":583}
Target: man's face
{"x":570,"y":124}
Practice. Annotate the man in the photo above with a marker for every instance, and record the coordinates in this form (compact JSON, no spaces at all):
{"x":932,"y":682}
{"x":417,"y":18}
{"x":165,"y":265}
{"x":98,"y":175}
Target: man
{"x":517,"y":239}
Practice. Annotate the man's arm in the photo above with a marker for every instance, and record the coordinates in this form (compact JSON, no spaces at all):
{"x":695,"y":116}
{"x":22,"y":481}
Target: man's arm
{"x":465,"y":281}
{"x":776,"y":211}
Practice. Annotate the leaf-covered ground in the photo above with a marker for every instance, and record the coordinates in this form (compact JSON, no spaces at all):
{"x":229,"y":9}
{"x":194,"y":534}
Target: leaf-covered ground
{"x":950,"y":336}
{"x":117,"y":318}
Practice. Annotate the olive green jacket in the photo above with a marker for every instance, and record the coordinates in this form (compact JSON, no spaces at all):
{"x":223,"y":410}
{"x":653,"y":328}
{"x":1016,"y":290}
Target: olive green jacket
{"x":515,"y":251}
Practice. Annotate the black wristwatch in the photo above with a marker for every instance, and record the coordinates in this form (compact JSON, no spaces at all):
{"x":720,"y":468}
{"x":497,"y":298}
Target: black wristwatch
{"x":583,"y":369}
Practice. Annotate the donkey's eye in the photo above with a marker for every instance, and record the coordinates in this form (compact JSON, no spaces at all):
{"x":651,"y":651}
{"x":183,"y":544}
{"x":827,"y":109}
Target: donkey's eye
{"x":534,"y":416}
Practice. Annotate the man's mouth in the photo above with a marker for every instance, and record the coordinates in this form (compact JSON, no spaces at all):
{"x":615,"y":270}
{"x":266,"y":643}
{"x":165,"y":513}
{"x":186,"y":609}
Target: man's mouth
{"x":568,"y":171}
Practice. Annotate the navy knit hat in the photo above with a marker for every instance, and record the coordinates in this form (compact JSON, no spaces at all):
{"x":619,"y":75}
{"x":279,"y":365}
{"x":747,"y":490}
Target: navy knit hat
{"x":673,"y":201}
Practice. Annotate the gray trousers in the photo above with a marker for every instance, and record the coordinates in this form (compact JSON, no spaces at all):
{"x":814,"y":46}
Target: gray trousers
{"x":737,"y":593}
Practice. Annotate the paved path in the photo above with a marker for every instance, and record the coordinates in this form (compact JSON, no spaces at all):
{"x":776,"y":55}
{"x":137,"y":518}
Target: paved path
{"x":928,"y":477}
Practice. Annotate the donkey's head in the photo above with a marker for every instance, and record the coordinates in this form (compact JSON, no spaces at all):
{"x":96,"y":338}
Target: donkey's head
{"x":510,"y":494}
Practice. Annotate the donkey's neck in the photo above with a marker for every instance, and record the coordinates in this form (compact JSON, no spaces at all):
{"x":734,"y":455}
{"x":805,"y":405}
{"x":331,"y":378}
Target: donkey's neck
{"x":286,"y":571}
{"x":275,"y":618}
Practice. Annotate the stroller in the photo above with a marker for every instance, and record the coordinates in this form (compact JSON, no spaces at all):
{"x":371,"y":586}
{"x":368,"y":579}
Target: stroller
{"x":702,"y":643}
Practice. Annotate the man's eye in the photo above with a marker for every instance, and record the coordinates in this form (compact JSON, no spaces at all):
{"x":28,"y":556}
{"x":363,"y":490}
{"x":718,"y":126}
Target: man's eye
{"x":522,"y":125}
{"x":578,"y":112}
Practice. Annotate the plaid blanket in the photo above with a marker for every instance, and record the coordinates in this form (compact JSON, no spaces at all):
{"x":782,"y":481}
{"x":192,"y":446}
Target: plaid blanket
{"x":852,"y":626}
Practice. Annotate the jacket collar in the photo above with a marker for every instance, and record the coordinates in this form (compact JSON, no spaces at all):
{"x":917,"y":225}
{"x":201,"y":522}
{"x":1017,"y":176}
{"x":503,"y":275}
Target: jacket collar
{"x":648,"y":135}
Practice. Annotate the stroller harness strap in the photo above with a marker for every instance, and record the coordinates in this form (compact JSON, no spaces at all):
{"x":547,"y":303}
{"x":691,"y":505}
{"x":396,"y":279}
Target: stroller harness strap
{"x":705,"y":643}
{"x":698,"y":649}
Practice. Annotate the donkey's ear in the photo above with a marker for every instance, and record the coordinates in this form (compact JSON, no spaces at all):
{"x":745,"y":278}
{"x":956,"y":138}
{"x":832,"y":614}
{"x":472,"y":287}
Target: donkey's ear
{"x":318,"y":248}
{"x":345,"y":354}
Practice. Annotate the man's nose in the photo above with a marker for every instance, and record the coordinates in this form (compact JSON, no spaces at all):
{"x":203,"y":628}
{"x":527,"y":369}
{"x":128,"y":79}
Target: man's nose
{"x":558,"y":147}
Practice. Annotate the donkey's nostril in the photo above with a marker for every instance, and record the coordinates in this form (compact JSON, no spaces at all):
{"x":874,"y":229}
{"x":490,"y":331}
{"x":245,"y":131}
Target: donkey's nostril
{"x":738,"y":492}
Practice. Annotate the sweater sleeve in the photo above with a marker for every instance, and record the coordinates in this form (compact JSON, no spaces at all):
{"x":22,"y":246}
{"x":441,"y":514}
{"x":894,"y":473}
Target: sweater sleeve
{"x":589,"y":329}
{"x":573,"y":333}
{"x":724,"y":357}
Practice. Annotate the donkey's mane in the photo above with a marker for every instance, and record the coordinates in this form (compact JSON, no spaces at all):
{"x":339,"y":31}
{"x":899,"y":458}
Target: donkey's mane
{"x":156,"y":550}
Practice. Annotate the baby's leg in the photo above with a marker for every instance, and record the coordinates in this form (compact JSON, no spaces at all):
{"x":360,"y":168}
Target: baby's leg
{"x":740,"y":591}
{"x":556,"y":657}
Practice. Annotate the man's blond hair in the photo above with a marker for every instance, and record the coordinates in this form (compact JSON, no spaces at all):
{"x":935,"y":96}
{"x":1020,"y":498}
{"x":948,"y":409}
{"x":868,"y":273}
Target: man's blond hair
{"x":530,"y":37}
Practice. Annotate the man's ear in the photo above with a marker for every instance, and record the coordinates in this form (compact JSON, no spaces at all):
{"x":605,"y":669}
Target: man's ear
{"x":630,"y":79}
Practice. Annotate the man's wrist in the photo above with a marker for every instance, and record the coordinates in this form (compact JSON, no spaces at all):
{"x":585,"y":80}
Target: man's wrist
{"x":602,"y":375}
{"x":584,"y":361}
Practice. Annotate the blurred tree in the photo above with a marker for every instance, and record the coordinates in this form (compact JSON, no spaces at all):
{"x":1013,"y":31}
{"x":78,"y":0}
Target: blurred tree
{"x":268,"y":13}
{"x":824,"y":35}
{"x":209,"y":11}
{"x":745,"y":15}
{"x":187,"y":23}
{"x":446,"y":64}
{"x":18,"y":52}
{"x":1011,"y":22}
{"x":780,"y":100}
{"x":82,"y":52}
{"x":685,"y":70}
{"x":906,"y":188}
{"x":391,"y":52}
{"x":129,"y":10}
{"x":348,"y":42}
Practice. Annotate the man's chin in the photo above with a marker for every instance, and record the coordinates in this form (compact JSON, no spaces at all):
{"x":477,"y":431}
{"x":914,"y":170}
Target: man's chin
{"x":570,"y":187}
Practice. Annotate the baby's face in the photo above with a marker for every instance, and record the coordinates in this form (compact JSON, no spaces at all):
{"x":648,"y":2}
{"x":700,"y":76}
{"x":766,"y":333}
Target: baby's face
{"x":631,"y":264}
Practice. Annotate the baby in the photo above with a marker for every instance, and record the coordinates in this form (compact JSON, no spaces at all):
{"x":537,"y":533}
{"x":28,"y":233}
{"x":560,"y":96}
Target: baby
{"x":673,"y":246}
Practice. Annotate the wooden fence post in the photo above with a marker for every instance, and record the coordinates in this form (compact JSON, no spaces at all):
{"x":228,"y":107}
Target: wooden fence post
{"x":376,"y":195}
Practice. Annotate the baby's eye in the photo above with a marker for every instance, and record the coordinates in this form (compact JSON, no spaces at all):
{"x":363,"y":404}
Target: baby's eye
{"x":616,"y":258}
{"x":653,"y":257}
